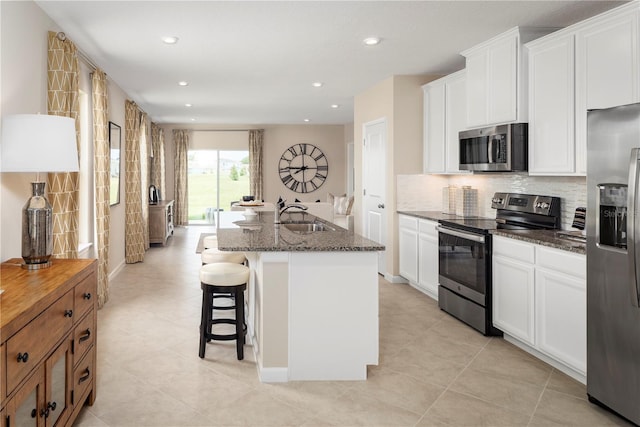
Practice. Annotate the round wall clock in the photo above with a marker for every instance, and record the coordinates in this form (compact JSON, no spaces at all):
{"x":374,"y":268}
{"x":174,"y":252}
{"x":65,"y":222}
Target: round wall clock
{"x":303,"y":168}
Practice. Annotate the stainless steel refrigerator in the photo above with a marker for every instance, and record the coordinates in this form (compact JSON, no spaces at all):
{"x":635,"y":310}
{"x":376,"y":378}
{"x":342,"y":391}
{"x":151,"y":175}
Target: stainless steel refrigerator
{"x":613,"y":259}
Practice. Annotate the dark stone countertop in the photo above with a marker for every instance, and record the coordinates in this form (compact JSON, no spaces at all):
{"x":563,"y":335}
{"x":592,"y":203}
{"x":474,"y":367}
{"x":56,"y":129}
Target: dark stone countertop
{"x":262,"y":235}
{"x":549,"y":238}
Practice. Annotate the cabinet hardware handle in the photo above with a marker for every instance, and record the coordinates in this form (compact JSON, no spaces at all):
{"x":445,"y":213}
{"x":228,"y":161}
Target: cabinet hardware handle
{"x":34,"y":413}
{"x":44,"y":413}
{"x":68,"y":313}
{"x":23,"y":357}
{"x":52,"y":405}
{"x":87,"y":295}
{"x":86,"y":336}
{"x":84,"y":377}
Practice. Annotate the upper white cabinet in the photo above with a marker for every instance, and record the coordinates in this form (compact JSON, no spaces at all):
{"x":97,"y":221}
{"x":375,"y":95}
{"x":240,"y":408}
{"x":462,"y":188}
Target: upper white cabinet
{"x":497,"y":78}
{"x":444,"y":117}
{"x":592,"y":64}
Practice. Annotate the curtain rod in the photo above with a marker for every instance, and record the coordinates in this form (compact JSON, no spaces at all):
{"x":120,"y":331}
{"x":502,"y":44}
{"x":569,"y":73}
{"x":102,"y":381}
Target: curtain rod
{"x":62,"y":37}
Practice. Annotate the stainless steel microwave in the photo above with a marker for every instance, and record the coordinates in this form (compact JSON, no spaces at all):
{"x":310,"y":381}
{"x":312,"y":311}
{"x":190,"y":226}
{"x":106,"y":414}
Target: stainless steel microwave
{"x":501,"y":148}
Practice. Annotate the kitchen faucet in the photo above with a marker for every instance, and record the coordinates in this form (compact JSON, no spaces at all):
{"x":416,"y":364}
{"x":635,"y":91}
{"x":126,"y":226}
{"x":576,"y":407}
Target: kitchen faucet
{"x":280,"y":210}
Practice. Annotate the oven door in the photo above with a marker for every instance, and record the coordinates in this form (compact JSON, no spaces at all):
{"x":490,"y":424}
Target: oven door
{"x":464,"y":263}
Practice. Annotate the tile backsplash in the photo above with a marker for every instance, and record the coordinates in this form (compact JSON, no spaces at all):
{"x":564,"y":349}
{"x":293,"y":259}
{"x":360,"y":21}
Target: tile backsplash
{"x":424,"y":192}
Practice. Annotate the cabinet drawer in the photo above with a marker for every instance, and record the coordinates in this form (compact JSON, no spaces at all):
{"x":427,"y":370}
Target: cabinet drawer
{"x":84,"y":296}
{"x":408,"y":222}
{"x":514,"y":249}
{"x":3,"y":374}
{"x":83,"y":337}
{"x":562,"y":261}
{"x":83,"y":378}
{"x":428,"y":227}
{"x":34,"y":340}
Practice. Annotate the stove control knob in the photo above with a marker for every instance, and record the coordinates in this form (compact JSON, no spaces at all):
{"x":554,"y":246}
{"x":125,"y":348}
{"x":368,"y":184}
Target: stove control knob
{"x":544,"y":205}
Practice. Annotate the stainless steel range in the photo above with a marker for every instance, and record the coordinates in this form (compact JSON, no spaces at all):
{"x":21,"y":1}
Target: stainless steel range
{"x":465,"y":253}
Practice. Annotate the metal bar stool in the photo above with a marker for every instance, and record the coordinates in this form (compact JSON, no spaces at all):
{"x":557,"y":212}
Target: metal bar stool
{"x":223,"y":278}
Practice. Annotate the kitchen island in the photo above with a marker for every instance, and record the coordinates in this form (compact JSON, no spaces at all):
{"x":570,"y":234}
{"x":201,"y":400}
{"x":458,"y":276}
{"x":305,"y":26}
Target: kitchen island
{"x":312,"y":297}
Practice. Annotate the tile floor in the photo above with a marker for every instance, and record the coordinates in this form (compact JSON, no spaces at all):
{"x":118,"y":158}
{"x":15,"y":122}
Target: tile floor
{"x":433,"y":371}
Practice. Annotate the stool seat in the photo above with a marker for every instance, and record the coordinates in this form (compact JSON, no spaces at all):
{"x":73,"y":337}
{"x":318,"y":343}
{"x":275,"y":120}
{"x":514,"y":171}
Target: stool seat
{"x":228,"y":278}
{"x":214,"y":255}
{"x":224,"y":274}
{"x":210,"y":242}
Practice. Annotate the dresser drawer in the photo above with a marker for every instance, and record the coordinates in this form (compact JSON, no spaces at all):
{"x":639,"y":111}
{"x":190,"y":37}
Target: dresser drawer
{"x":26,"y":348}
{"x":83,"y":377}
{"x":85,"y":296}
{"x":83,"y":338}
{"x":3,"y":374}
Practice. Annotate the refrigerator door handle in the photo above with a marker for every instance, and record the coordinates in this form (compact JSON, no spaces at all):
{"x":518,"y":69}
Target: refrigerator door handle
{"x":632,"y":225}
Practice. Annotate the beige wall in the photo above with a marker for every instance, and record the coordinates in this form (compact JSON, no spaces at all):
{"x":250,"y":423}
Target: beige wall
{"x":277,"y":138}
{"x":398,"y":100}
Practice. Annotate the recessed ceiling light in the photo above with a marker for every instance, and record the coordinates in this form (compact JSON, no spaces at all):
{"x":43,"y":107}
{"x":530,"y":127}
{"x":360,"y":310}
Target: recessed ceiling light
{"x":371,"y":41}
{"x":183,"y":83}
{"x":193,"y":120}
{"x":317,"y":84}
{"x":170,"y":39}
{"x":307,"y":120}
{"x":188,"y":105}
{"x":335,"y":106}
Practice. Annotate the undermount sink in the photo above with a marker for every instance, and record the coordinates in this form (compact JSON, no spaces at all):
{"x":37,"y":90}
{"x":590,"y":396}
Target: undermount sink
{"x":307,"y":227}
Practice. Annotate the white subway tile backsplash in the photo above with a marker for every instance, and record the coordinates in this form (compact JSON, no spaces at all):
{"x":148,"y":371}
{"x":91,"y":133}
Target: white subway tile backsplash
{"x":424,"y":192}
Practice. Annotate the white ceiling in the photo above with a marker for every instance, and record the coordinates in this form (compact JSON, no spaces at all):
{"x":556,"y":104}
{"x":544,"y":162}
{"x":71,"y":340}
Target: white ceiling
{"x":253,"y":62}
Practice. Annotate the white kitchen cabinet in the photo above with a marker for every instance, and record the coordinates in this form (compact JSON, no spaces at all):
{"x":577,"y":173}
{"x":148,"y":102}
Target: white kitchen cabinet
{"x":428,"y":257}
{"x":552,"y":138}
{"x":513,"y":288}
{"x":418,"y":252}
{"x":444,"y":117}
{"x":408,"y":247}
{"x":496,"y":78}
{"x":539,"y":298}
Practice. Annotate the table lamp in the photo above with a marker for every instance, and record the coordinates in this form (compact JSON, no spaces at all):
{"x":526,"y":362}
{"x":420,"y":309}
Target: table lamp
{"x":38,"y":143}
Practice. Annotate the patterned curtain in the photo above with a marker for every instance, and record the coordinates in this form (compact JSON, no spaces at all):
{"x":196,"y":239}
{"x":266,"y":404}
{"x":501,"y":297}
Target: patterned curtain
{"x":255,"y":162}
{"x":144,"y":178}
{"x":62,"y":100}
{"x":157,"y":172}
{"x":102,"y":166}
{"x":181,"y":142}
{"x":134,"y":227}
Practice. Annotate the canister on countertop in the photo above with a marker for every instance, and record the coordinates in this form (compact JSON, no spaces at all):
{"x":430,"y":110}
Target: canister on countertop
{"x":467,"y":201}
{"x":449,"y":199}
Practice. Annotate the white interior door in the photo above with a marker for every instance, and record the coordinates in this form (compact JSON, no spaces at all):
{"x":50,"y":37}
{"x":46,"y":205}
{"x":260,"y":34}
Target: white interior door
{"x":373,"y":184}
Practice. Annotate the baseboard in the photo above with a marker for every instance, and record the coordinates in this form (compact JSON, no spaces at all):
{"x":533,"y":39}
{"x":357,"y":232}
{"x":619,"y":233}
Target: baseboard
{"x":394,"y":279}
{"x":116,"y":270}
{"x":273,"y":375}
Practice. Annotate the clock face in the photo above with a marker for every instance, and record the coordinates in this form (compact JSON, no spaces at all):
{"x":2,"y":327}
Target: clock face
{"x":303,"y":168}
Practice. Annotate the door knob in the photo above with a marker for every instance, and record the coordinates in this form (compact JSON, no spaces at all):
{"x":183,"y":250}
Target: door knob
{"x":381,"y":206}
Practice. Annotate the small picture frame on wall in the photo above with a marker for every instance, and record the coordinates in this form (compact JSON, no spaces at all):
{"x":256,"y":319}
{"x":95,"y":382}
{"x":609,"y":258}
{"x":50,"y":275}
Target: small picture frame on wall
{"x":114,"y":169}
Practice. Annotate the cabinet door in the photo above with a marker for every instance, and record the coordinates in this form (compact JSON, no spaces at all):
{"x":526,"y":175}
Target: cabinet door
{"x":408,"y":242}
{"x":502,"y":81}
{"x":562,"y":317}
{"x":428,"y":264}
{"x":26,"y":406}
{"x":434,"y":128}
{"x":513,"y":298}
{"x":58,"y":371}
{"x":552,"y":108}
{"x":456,"y":119}
{"x":476,"y":66}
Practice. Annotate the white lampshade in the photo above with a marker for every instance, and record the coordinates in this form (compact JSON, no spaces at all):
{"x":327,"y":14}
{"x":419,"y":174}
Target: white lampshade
{"x":38,"y":143}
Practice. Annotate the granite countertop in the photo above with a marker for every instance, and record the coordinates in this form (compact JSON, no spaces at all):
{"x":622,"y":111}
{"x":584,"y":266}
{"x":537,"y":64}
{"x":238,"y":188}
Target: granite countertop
{"x":549,"y":238}
{"x":262,"y":235}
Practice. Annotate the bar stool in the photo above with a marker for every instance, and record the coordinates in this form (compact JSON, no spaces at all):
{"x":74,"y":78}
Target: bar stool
{"x":210,"y":242}
{"x":212,"y":255}
{"x":225,"y":278}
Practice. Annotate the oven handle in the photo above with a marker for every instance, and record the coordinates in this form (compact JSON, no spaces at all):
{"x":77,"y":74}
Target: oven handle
{"x":462,"y":234}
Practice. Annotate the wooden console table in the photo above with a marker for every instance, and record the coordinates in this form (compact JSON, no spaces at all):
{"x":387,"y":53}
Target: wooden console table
{"x":160,"y":221}
{"x":47,"y":342}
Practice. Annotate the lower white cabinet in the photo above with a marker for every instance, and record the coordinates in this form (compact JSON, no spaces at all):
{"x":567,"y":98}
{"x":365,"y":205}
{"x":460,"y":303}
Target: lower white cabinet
{"x":539,"y":298}
{"x":418,"y":244}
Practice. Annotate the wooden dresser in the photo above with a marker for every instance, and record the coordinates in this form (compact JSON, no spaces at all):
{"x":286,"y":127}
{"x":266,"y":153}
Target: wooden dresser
{"x":47,"y":342}
{"x":160,"y":221}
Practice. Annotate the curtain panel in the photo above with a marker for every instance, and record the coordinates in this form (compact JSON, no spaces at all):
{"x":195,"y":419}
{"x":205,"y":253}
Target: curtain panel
{"x":181,"y":143}
{"x":144,"y":178}
{"x":157,"y":172}
{"x":256,"y":138}
{"x":62,"y":100}
{"x":102,"y":168}
{"x":134,"y":227}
